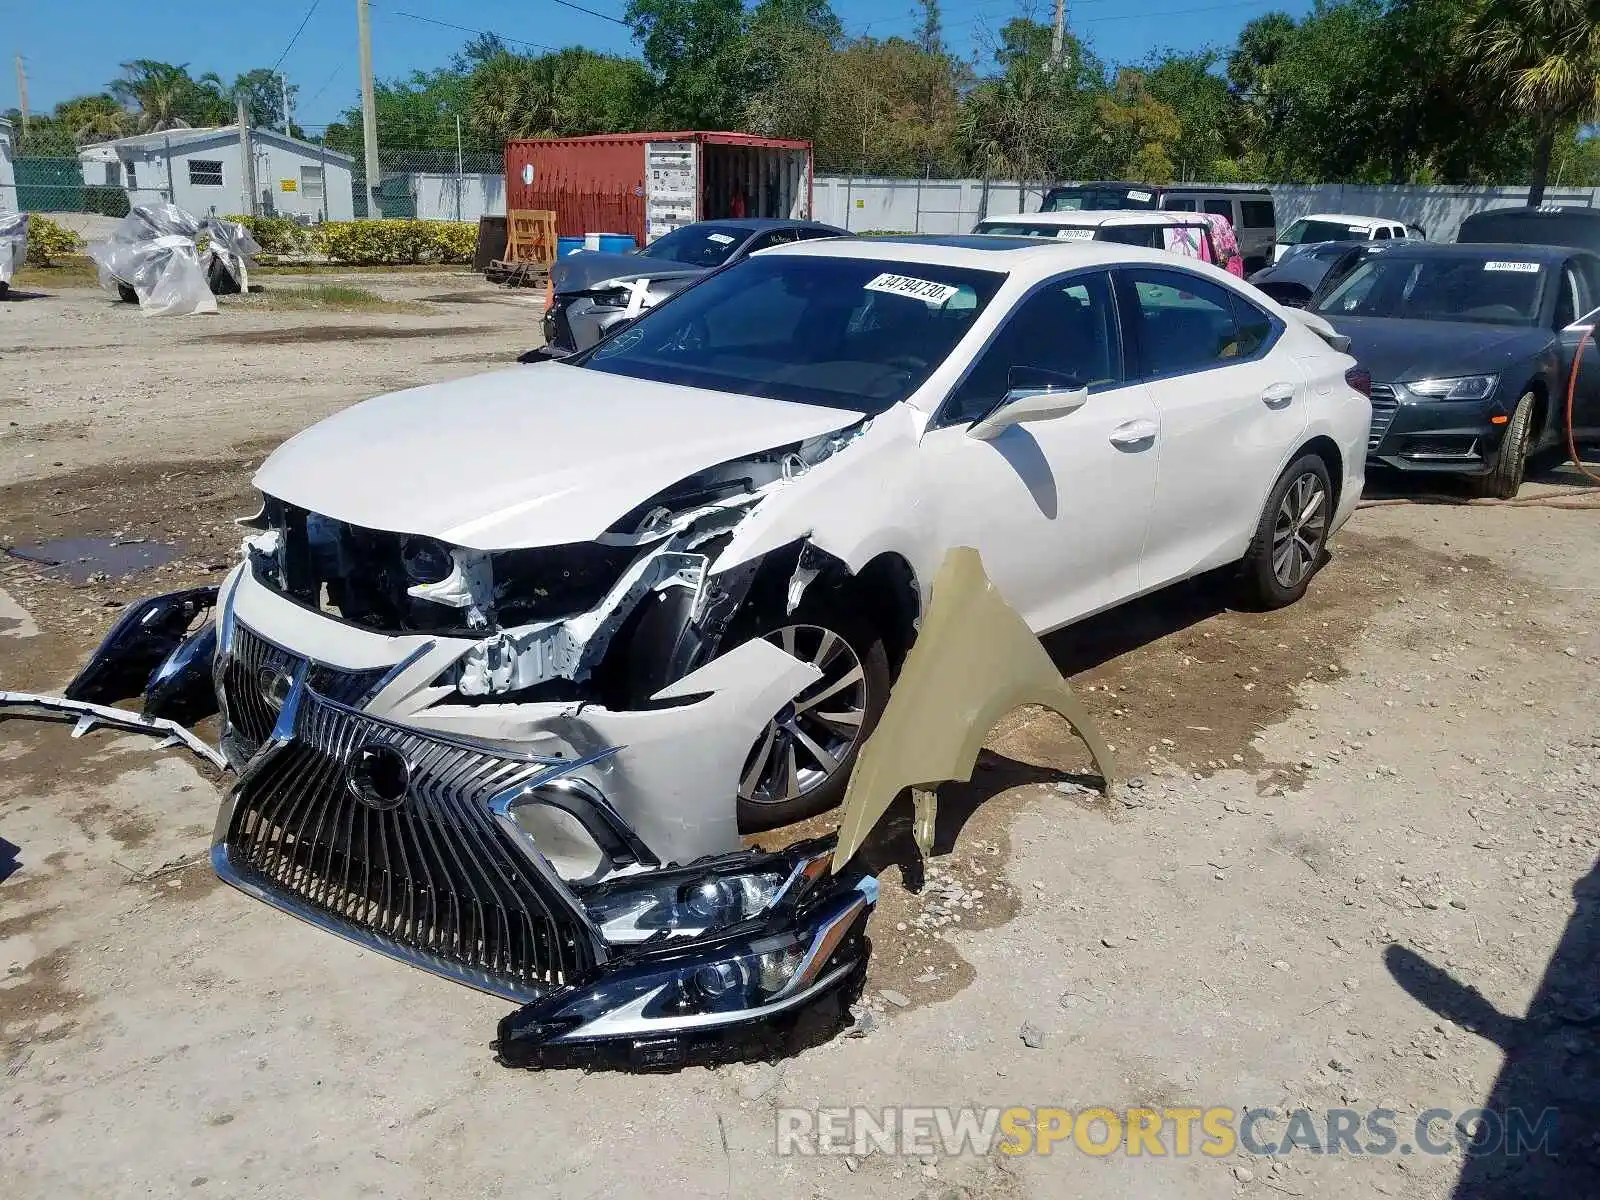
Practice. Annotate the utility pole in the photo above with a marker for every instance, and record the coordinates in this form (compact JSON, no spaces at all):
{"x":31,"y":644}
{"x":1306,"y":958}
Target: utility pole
{"x":247,"y":160}
{"x":460,"y":182}
{"x":369,"y":109}
{"x":22,"y":93}
{"x":1059,"y":35}
{"x":283,"y":91}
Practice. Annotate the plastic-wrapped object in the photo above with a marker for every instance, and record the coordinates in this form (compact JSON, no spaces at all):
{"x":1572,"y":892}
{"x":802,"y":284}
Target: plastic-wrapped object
{"x":13,"y":246}
{"x":152,"y":253}
{"x":228,"y":258}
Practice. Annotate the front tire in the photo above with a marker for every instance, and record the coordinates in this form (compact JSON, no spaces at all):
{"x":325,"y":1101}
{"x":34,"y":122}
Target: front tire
{"x":1291,"y":536}
{"x":1505,"y":479}
{"x":801,"y":763}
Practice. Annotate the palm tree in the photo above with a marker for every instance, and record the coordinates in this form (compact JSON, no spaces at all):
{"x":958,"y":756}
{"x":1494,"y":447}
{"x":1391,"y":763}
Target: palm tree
{"x":1546,"y":54}
{"x":167,"y":97}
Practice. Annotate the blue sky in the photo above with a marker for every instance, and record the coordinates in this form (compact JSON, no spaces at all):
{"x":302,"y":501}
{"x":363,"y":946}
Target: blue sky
{"x":67,"y":57}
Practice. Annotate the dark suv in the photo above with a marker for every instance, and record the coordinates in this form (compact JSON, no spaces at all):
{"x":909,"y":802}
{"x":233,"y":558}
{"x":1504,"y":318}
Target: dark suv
{"x":1546,"y":225}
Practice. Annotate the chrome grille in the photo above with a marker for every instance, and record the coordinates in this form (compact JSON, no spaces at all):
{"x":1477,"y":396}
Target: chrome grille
{"x":435,"y":880}
{"x":250,"y":715}
{"x":1384,"y":403}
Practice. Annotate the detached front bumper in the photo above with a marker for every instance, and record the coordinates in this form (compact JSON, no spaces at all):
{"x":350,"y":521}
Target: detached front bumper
{"x":442,"y":848}
{"x":1411,"y":433}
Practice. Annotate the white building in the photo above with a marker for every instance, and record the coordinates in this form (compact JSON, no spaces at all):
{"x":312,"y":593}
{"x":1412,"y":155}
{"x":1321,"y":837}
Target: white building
{"x":8,"y":170}
{"x":200,"y":171}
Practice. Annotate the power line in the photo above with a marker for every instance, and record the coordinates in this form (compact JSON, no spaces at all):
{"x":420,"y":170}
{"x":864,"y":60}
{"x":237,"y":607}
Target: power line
{"x":592,"y":12}
{"x":297,"y":33}
{"x":478,"y":32}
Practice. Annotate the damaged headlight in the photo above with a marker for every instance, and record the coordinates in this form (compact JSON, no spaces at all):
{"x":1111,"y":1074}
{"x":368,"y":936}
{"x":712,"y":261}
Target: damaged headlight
{"x":710,"y":999}
{"x":693,"y":901}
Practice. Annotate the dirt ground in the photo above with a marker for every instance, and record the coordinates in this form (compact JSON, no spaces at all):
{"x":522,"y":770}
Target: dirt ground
{"x":1356,"y":828}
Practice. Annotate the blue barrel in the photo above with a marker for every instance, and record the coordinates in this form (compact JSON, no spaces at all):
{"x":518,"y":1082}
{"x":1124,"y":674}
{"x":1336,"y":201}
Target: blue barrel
{"x":568,"y":245}
{"x":614,"y":243}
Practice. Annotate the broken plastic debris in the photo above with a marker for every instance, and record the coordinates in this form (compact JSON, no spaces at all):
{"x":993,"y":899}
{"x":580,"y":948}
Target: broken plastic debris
{"x":90,"y":715}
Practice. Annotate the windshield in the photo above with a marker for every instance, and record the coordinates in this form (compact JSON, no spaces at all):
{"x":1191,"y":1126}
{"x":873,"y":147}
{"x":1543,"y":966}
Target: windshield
{"x":703,"y":245}
{"x":1075,"y":199}
{"x":1498,"y":290}
{"x":1303,"y":231}
{"x":1067,"y":233}
{"x":851,"y":333}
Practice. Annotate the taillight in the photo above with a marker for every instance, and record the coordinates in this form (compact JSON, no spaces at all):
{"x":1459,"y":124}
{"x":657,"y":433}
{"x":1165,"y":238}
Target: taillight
{"x":1361,"y":379}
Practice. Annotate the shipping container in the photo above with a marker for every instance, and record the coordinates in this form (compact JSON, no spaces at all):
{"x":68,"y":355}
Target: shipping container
{"x":647,"y":184}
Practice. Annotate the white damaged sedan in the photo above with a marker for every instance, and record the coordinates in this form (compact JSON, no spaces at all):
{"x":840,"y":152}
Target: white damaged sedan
{"x":685,"y":565}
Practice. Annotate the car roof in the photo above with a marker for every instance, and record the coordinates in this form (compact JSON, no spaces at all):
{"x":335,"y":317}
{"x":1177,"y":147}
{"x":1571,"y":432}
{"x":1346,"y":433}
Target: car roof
{"x":1095,"y":217}
{"x":1538,"y":212}
{"x":1418,"y":248}
{"x":758,"y":223}
{"x":1021,"y":256}
{"x":1230,"y":188}
{"x":1350,"y":219}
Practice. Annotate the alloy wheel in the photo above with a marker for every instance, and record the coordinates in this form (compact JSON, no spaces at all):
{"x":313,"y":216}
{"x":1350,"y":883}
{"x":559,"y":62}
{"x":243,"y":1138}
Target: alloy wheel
{"x":807,"y":742}
{"x":1299,"y":530}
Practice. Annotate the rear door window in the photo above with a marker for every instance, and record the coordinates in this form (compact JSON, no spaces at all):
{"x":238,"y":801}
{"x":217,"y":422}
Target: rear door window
{"x":1220,"y":208}
{"x":1382,"y":233}
{"x":1257,"y":214}
{"x":1148,"y":236}
{"x":1185,"y":323}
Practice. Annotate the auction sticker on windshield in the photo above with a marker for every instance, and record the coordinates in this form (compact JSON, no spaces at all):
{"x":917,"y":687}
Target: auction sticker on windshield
{"x":925,"y":290}
{"x":1525,"y":268}
{"x":1075,"y":235}
{"x":721,"y":239}
{"x":1137,"y":195}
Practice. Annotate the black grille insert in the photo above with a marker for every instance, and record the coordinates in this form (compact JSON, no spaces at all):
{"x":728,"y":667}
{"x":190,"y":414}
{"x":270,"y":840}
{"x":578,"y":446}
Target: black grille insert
{"x":434,"y":875}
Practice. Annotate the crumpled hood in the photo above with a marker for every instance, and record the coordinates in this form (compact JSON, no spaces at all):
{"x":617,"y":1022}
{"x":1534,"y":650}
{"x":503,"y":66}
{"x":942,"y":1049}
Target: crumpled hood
{"x":1396,"y":351}
{"x":579,"y":272}
{"x":534,"y":456}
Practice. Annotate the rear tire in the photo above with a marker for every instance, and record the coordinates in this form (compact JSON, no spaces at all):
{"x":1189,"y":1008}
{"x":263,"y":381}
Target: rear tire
{"x":1291,"y":536}
{"x":768,"y":796}
{"x":126,"y":294}
{"x":1503,"y":481}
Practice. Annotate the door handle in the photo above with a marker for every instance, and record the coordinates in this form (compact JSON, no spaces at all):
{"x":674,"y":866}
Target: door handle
{"x":1131,"y":433}
{"x":1279,"y":395}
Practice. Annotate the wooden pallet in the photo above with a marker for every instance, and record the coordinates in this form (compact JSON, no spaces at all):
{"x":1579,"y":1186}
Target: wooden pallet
{"x":518,"y":274}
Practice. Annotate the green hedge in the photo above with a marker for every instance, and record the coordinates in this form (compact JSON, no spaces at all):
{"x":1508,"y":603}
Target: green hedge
{"x":278,"y":235}
{"x":396,"y":243}
{"x":102,"y":198}
{"x":48,"y":241}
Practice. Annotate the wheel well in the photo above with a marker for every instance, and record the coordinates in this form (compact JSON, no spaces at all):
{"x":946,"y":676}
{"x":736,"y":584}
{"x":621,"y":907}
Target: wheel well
{"x":1541,"y":407}
{"x":1327,"y":450}
{"x":885,"y":590}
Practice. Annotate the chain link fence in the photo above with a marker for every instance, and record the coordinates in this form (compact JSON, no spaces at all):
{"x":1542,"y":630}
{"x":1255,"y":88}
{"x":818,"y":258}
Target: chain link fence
{"x":297,"y":178}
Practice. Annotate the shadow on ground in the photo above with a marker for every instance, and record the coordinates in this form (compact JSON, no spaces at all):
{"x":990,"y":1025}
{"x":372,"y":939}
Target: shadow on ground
{"x":1550,"y":1081}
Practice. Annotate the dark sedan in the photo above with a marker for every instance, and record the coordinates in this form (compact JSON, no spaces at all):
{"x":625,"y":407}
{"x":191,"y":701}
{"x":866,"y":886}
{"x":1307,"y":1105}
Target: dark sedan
{"x":592,"y":293}
{"x":1295,"y":277}
{"x":1470,"y":348}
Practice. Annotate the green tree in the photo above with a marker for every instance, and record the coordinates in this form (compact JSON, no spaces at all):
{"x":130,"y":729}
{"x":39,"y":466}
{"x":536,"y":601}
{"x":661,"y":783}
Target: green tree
{"x":264,"y":96}
{"x":1205,"y":108}
{"x":1139,"y":130}
{"x":1545,"y":55}
{"x":696,"y":51}
{"x":165,"y":96}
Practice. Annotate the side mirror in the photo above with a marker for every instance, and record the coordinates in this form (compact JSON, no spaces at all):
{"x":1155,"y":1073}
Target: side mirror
{"x":1033,"y":395}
